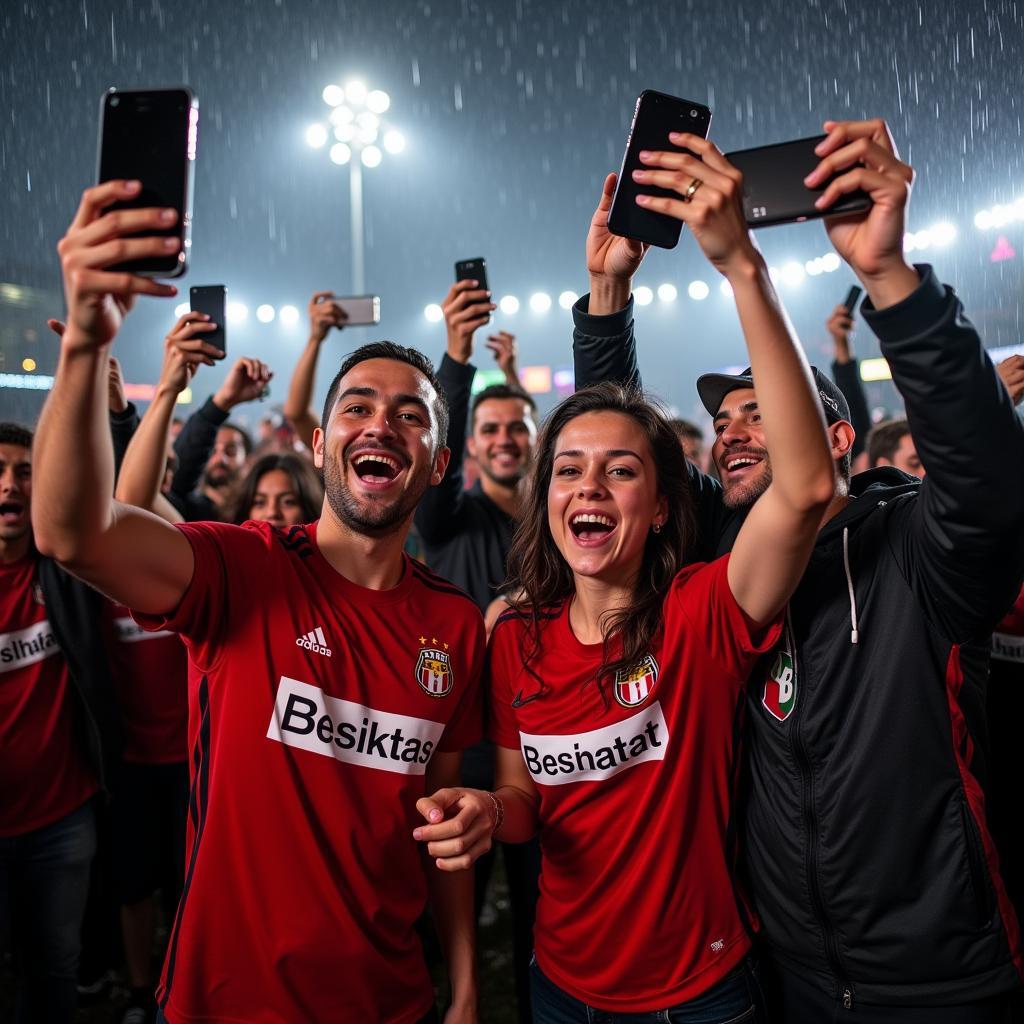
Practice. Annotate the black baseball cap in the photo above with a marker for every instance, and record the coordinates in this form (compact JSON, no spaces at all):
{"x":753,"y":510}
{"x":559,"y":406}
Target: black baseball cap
{"x":713,"y":387}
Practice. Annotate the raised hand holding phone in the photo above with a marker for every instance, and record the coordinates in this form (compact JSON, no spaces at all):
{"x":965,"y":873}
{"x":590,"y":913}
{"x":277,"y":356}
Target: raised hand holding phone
{"x":324,"y":313}
{"x":466,"y":308}
{"x":612,"y":260}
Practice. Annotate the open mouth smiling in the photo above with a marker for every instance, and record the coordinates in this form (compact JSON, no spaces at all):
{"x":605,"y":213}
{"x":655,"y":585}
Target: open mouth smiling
{"x":377,"y":469}
{"x":591,"y":529}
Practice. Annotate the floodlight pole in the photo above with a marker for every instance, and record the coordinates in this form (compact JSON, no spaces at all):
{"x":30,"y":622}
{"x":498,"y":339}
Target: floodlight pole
{"x":355,"y":197}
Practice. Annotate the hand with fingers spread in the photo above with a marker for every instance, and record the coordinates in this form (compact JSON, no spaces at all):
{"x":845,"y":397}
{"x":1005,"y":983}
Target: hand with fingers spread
{"x":98,"y":299}
{"x":324,"y":313}
{"x":245,"y":382}
{"x":840,"y":326}
{"x":611,"y":259}
{"x":1011,"y":373}
{"x":503,"y":347}
{"x":862,"y":155}
{"x":185,"y":350}
{"x":117,"y":401}
{"x":466,"y":308}
{"x":460,"y":825}
{"x":710,"y":192}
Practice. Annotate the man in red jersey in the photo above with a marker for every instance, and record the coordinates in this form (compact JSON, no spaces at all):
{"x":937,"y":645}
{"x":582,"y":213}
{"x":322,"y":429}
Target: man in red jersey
{"x":334,"y":680}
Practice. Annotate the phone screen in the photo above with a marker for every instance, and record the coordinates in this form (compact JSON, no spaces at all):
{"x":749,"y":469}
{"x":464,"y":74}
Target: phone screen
{"x":472,"y":270}
{"x":151,"y":137}
{"x":656,"y":115}
{"x":359,"y":310}
{"x":211,"y":299}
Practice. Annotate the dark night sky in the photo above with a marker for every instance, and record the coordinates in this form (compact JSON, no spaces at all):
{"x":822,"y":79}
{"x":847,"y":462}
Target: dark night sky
{"x":513,"y":113}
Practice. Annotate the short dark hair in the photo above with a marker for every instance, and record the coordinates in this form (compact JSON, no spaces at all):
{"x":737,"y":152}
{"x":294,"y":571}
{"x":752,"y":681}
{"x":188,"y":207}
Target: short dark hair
{"x":401,"y":354}
{"x":242,"y":432}
{"x":15,"y":433}
{"x":884,"y":439}
{"x":498,"y":392}
{"x":684,"y":428}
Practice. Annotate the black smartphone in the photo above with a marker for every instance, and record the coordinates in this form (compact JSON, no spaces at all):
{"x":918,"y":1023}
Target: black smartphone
{"x":150,"y":136}
{"x":472,"y":270}
{"x":850,"y":302}
{"x":211,"y":299}
{"x":773,"y":184}
{"x":656,"y":115}
{"x":359,"y":310}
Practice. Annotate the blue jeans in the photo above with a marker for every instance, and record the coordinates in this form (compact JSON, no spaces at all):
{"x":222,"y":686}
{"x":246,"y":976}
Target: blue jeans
{"x":734,"y":1000}
{"x":44,"y":882}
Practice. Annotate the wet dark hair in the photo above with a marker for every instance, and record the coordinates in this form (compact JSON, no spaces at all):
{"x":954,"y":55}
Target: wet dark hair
{"x":15,"y":433}
{"x":539,"y":573}
{"x":402,"y":354}
{"x":306,"y":483}
{"x":884,"y":439}
{"x":500,"y":392}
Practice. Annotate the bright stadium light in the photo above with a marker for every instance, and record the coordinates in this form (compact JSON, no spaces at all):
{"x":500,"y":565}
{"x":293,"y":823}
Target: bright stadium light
{"x":943,"y":234}
{"x":793,"y":273}
{"x":345,"y":132}
{"x":394,"y":142}
{"x":366,"y":134}
{"x":813,"y":267}
{"x":237,"y":312}
{"x":355,"y":92}
{"x":643,"y":295}
{"x":698,"y":291}
{"x":726,"y":289}
{"x":667,"y":292}
{"x":334,"y":95}
{"x":378,"y":101}
{"x":434,"y":313}
{"x":568,"y":299}
{"x":509,"y":304}
{"x":316,"y":135}
{"x":540,"y":302}
{"x":371,"y":156}
{"x":182,"y":308}
{"x":289,"y":316}
{"x":830,"y":262}
{"x":341,"y":153}
{"x":341,"y":115}
{"x":265,"y":313}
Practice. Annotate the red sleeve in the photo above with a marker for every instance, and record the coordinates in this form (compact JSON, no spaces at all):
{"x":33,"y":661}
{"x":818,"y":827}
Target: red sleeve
{"x":202,"y":618}
{"x":503,"y":667}
{"x":733,"y":641}
{"x":466,"y":726}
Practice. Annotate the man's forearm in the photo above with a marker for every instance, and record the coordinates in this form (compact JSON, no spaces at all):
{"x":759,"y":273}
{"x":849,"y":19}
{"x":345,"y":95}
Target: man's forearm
{"x":73,"y":473}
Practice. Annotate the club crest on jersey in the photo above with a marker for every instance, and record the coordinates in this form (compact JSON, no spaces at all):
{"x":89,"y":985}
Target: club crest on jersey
{"x":634,"y":686}
{"x":434,"y":669}
{"x":779,"y":697}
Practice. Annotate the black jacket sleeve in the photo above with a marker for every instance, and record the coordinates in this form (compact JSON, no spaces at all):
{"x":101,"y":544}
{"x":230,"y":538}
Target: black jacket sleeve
{"x":122,"y":428}
{"x":847,"y":378}
{"x":437,"y":515}
{"x":194,"y":444}
{"x":963,"y":551}
{"x":604,"y":348}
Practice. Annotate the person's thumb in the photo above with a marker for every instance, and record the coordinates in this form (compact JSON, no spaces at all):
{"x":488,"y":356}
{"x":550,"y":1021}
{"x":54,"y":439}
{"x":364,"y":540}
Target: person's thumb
{"x":433,"y":807}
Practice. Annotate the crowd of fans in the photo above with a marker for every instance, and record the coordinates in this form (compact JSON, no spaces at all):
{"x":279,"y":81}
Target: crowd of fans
{"x":736,"y":709}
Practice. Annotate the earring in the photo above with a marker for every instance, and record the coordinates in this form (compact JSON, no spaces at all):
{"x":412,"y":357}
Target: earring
{"x":657,"y":527}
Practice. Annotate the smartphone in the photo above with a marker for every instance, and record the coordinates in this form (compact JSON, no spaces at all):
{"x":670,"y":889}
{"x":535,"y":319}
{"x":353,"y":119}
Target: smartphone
{"x":359,"y":310}
{"x":150,"y":136}
{"x":211,"y":299}
{"x":472,"y":270}
{"x":656,"y":115}
{"x":773,"y":184}
{"x":850,"y":302}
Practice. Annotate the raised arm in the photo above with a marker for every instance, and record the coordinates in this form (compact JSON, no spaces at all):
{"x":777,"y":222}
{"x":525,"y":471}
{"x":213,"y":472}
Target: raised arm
{"x":324,"y":314}
{"x":131,"y":555}
{"x":145,"y":461}
{"x":466,"y":308}
{"x":775,"y":541}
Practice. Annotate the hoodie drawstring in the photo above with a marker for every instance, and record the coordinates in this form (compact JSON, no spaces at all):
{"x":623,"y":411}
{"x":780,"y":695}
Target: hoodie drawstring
{"x":854,"y":634}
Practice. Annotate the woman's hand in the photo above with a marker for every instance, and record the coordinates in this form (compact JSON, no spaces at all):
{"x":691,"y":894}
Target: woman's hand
{"x":710,"y":192}
{"x":462,"y":822}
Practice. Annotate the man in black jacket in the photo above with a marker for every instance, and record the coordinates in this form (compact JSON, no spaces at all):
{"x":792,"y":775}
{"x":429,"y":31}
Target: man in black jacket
{"x":864,"y":836}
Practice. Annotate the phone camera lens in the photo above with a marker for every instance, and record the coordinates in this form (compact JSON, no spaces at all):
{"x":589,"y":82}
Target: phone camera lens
{"x":693,"y":113}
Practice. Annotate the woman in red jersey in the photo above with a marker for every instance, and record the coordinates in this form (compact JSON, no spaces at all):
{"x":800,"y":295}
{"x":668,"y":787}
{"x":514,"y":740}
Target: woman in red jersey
{"x":616,"y":679}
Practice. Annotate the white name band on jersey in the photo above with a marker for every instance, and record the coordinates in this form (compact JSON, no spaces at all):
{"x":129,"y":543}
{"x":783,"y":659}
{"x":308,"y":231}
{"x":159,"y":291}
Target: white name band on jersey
{"x":130,"y":632}
{"x":599,"y":754}
{"x":305,"y":717}
{"x":26,"y":646}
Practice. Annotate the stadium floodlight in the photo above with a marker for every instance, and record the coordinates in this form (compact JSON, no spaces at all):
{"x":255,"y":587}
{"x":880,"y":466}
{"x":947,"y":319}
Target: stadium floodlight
{"x":793,"y":273}
{"x":341,"y":153}
{"x":265,"y":313}
{"x":316,"y":135}
{"x":378,"y":101}
{"x":289,"y":316}
{"x":182,"y":308}
{"x":813,"y":267}
{"x":355,"y":92}
{"x":333,"y":95}
{"x":345,"y":132}
{"x":698,"y":290}
{"x":568,"y":299}
{"x":394,"y":142}
{"x":434,"y":313}
{"x":341,"y":115}
{"x":237,"y":312}
{"x":830,"y":262}
{"x":371,"y":156}
{"x":667,"y":292}
{"x":540,"y":302}
{"x":509,"y":304}
{"x":643,"y":296}
{"x":943,"y":234}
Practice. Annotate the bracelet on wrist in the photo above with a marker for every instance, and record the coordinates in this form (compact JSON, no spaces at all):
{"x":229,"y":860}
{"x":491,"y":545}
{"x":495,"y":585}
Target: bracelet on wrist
{"x":499,"y":813}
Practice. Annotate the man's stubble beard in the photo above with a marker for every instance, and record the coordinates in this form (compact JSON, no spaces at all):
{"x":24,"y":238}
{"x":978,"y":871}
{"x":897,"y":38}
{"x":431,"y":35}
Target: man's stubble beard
{"x":373,"y":519}
{"x":745,"y":494}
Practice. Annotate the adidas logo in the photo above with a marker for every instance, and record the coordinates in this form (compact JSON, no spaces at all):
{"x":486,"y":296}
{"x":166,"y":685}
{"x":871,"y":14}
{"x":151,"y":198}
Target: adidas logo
{"x":314,"y":640}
